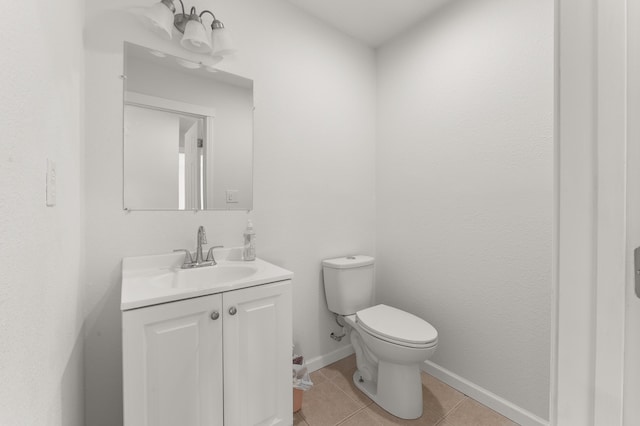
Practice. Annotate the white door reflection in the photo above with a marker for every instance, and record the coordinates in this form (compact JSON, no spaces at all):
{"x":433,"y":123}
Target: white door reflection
{"x":166,"y":159}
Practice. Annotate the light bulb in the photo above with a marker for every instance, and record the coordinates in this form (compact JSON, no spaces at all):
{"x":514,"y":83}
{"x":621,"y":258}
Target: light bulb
{"x":158,"y":18}
{"x":195,"y":37}
{"x":221,"y":42}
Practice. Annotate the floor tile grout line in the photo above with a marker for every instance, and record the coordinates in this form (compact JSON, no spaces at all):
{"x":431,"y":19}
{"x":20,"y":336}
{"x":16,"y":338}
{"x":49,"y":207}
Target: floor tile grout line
{"x":330,"y":381}
{"x":351,"y":415}
{"x":357,"y":401}
{"x":441,"y":421}
{"x":320,"y":373}
{"x":454,"y":408}
{"x":299,"y":413}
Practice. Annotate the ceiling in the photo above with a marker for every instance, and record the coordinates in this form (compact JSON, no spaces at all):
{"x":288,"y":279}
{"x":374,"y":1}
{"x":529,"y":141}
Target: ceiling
{"x":371,"y":21}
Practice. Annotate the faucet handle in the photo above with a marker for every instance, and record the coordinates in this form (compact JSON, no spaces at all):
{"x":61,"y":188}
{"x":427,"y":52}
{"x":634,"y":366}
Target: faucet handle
{"x":188,"y":259}
{"x":210,"y":254}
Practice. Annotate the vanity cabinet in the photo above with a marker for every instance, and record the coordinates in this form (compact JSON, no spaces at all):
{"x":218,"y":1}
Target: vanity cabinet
{"x":220,"y":359}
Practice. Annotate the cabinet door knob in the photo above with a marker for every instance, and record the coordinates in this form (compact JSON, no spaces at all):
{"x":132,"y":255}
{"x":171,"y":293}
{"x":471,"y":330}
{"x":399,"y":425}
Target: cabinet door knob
{"x":215,"y":315}
{"x":233,"y":310}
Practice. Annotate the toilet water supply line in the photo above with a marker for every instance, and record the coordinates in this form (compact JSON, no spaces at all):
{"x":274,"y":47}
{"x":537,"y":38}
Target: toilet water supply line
{"x":334,"y":336}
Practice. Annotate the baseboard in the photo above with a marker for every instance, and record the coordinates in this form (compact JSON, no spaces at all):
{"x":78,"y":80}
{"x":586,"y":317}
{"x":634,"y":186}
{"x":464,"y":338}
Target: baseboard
{"x":483,"y":396}
{"x":321,"y":361}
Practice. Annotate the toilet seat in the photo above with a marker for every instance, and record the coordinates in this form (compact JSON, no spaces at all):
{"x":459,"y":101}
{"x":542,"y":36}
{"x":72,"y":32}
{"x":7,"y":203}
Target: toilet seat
{"x":397,"y":327}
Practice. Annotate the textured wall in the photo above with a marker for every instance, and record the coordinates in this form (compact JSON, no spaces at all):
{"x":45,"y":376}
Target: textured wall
{"x":464,"y":174}
{"x":314,"y":169}
{"x":41,"y":88}
{"x":464,"y":189}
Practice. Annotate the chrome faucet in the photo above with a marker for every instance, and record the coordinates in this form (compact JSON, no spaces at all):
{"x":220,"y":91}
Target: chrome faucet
{"x":199,"y":261}
{"x":202,"y":239}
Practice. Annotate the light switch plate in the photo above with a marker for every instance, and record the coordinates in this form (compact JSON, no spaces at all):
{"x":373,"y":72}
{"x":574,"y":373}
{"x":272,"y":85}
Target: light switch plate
{"x":636,"y":269}
{"x":51,"y":183}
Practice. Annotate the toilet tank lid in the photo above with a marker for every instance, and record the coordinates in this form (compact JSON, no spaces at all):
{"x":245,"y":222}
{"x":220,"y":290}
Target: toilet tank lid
{"x":347,"y":262}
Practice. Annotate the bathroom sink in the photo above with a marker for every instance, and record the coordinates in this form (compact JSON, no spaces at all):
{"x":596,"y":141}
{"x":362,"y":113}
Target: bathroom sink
{"x":150,"y":280}
{"x":218,"y":275}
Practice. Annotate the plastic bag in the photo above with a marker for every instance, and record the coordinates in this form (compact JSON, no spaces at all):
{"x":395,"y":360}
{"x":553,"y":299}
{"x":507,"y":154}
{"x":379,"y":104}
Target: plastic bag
{"x":301,"y":379}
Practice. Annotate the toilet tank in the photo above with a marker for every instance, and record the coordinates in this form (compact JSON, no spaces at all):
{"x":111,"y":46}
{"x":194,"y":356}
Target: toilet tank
{"x":348,"y":283}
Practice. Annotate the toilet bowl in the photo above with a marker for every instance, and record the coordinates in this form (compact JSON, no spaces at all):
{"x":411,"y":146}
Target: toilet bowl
{"x":390,"y":344}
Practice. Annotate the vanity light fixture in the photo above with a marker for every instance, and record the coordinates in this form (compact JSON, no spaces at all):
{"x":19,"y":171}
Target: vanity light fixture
{"x":162,"y":18}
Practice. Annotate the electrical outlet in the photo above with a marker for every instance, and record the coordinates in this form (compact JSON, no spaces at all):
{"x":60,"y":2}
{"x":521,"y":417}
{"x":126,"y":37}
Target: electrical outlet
{"x":232,"y":196}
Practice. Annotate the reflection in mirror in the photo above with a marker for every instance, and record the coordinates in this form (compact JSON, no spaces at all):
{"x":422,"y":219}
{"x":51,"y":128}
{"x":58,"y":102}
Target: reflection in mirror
{"x":188,"y":135}
{"x":164,"y":159}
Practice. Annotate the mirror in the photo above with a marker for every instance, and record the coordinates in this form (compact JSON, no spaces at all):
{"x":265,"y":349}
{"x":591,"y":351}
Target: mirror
{"x":188,"y":134}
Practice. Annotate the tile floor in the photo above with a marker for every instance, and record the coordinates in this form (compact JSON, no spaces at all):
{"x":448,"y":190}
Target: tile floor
{"x":334,"y":400}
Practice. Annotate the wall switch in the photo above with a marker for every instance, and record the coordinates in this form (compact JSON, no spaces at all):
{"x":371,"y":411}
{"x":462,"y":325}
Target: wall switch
{"x":51,"y":183}
{"x":232,"y":196}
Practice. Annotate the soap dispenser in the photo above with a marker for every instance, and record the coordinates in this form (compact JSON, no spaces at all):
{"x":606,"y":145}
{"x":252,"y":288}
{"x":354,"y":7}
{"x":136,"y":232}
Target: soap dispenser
{"x":249,"y":250}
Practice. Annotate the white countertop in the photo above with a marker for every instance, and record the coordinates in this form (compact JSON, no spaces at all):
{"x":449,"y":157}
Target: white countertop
{"x":151,"y":280}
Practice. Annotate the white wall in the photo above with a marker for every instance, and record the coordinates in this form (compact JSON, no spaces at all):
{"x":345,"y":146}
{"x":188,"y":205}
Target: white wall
{"x":41,"y":87}
{"x":465,"y":189}
{"x":314,"y":169}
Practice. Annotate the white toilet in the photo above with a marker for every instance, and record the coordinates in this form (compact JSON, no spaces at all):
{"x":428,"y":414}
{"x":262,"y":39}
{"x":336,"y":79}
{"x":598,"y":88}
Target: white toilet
{"x":390,"y":344}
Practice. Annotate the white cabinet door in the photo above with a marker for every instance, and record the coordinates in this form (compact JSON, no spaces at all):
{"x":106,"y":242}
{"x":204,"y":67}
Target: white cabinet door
{"x":172,"y":364}
{"x":257,"y":355}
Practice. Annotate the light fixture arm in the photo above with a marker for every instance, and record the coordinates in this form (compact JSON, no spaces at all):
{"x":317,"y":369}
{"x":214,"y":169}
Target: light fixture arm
{"x":193,"y":15}
{"x":209,"y":12}
{"x":182,"y":4}
{"x":216,"y":23}
{"x":180,"y":20}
